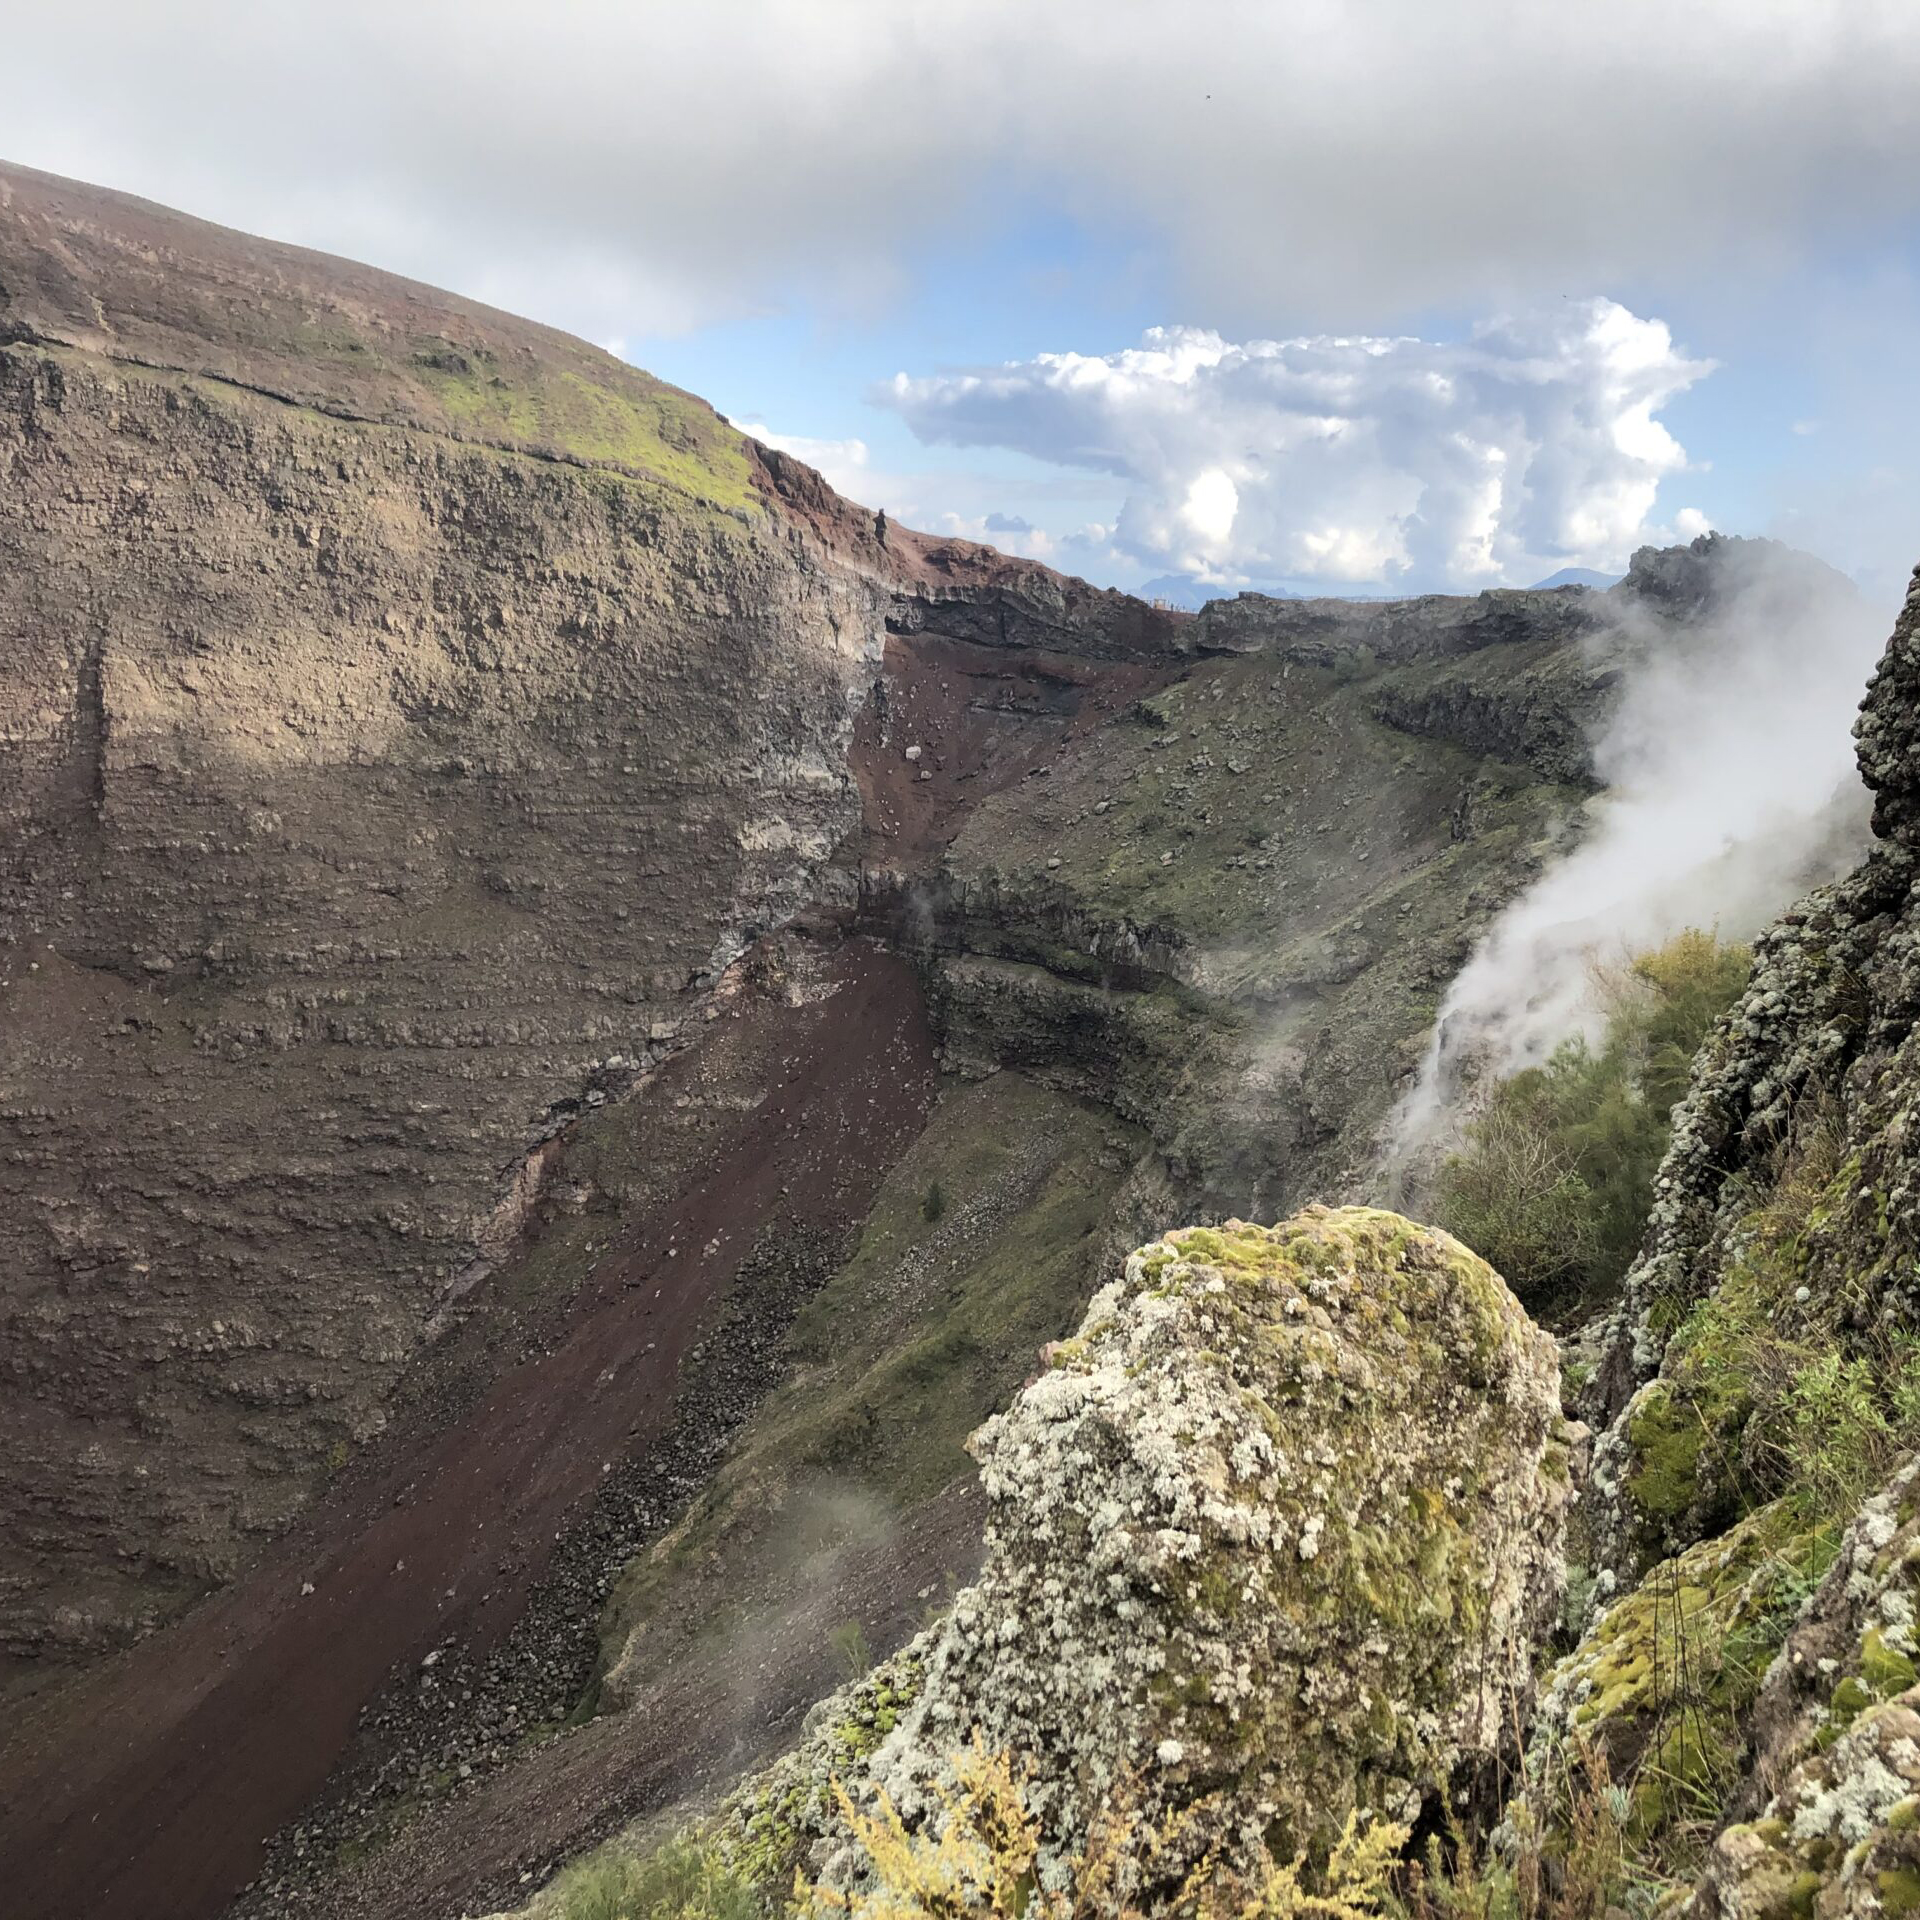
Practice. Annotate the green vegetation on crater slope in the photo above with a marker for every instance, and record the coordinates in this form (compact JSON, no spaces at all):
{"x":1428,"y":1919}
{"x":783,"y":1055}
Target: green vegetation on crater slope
{"x":1557,"y":1173}
{"x":1264,"y":815}
{"x":1279,"y":883}
{"x":931,"y":1323}
{"x":122,"y":279}
{"x":623,"y":419}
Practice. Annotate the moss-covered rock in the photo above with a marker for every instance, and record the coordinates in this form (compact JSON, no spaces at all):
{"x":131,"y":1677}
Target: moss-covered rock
{"x":767,"y":1827}
{"x":1658,"y":1696}
{"x":1856,"y":1644}
{"x":1281,"y":1523}
{"x":1841,"y":1837}
{"x":1727,"y":1670}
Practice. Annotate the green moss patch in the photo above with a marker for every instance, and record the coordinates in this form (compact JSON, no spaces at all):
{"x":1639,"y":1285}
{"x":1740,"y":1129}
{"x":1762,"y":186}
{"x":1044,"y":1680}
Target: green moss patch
{"x":1665,"y":1682}
{"x":624,"y":419}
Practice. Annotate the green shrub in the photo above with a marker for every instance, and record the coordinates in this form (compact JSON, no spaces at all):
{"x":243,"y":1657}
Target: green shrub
{"x":1771,"y":1389}
{"x":683,"y":1880}
{"x":1516,"y":1195}
{"x":1556,"y":1177}
{"x":934,"y":1205}
{"x":850,"y":1643}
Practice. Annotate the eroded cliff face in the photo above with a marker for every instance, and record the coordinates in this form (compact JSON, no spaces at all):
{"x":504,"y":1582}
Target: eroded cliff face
{"x":372,"y":792}
{"x":1229,"y":909}
{"x":409,"y":713}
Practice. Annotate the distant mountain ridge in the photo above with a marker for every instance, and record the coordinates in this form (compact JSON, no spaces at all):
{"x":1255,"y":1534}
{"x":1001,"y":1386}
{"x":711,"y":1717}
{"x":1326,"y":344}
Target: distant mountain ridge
{"x":1579,"y":577}
{"x":1184,"y":591}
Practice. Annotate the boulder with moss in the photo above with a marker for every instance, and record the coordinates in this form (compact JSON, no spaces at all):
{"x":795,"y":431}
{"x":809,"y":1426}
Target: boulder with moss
{"x":1274,"y":1534}
{"x":1658,"y":1698}
{"x":1856,"y":1643}
{"x":1841,"y":1837}
{"x":1837,"y":1733}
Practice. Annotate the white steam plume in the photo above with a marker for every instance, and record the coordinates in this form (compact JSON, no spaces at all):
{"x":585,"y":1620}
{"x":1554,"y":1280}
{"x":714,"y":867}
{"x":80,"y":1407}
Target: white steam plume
{"x":1730,"y":788}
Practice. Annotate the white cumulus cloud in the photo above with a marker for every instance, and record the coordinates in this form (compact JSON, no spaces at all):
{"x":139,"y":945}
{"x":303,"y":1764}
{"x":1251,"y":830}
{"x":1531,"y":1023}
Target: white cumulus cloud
{"x":1532,"y":444}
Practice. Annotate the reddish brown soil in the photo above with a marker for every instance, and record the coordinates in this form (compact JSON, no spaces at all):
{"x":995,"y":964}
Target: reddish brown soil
{"x":147,"y":1792}
{"x":1110,"y":625}
{"x":730,"y":1703}
{"x":984,"y":718}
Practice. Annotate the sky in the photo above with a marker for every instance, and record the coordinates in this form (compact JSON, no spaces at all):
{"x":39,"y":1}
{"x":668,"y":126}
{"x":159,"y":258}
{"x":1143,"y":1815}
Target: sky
{"x":1319,"y":295}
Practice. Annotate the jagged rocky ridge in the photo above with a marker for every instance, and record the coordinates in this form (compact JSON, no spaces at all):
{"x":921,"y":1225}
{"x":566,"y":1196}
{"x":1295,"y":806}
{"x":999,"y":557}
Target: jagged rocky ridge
{"x":1751,"y":1668}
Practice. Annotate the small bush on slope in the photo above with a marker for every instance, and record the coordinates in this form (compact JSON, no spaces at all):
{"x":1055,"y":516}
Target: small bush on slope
{"x":980,"y":1861}
{"x":684,"y":1880}
{"x":1770,"y":1388}
{"x":1553,"y":1186}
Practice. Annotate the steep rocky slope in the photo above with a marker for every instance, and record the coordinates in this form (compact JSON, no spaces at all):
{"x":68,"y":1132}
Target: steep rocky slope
{"x":496,"y":865}
{"x":409,"y":710}
{"x":363,"y":793}
{"x":1750,"y":1672}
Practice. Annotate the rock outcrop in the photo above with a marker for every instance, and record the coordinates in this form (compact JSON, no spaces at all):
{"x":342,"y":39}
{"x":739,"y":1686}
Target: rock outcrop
{"x":1842,"y":1837}
{"x":1748,"y":1670}
{"x":1831,"y":1820}
{"x":1273,"y":1535}
{"x":1792,"y":1179}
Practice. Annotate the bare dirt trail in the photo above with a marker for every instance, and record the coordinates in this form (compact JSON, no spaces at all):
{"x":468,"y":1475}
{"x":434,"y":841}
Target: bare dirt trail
{"x":147,"y":1792}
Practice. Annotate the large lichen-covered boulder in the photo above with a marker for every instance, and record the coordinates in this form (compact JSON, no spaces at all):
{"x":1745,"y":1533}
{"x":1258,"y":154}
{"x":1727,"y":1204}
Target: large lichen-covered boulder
{"x":1275,"y":1532}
